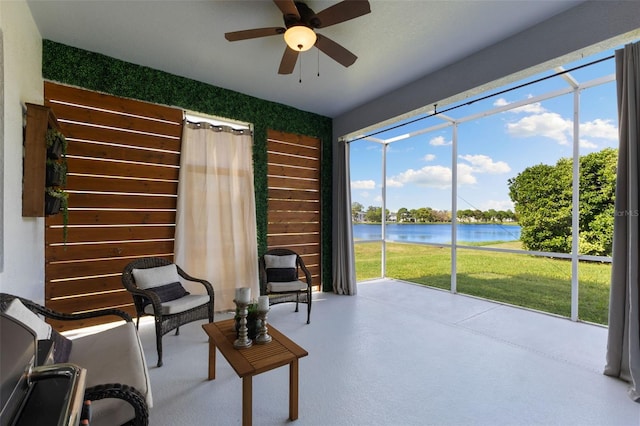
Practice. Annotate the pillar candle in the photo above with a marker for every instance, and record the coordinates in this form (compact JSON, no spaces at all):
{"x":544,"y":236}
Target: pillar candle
{"x":263,"y":303}
{"x":243,"y":295}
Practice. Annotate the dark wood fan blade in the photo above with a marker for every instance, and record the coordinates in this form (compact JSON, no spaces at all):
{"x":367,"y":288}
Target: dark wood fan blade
{"x":287,"y":7}
{"x":343,"y":11}
{"x":254,"y":33}
{"x":288,"y":62}
{"x":335,"y":51}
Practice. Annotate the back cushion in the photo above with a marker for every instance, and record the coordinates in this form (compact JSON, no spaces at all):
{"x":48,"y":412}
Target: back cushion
{"x":155,"y":277}
{"x":281,"y":268}
{"x":24,"y":315}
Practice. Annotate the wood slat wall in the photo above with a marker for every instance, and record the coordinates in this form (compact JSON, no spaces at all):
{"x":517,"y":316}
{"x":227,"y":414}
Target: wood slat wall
{"x":293,"y":180}
{"x":123,"y":158}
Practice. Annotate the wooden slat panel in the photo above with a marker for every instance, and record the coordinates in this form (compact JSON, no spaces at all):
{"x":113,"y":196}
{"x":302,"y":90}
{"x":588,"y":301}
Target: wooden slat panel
{"x":92,"y":302}
{"x":280,"y":240}
{"x":296,"y":150}
{"x":293,"y":161}
{"x":88,"y":285}
{"x":111,"y":119}
{"x":291,"y":194}
{"x":108,"y":250}
{"x":275,"y":135}
{"x":117,"y":201}
{"x":56,"y":271}
{"x":280,"y":170}
{"x":279,"y":182}
{"x":109,"y":168}
{"x":311,"y":259}
{"x":96,"y":134}
{"x":117,"y":233}
{"x":301,"y":249}
{"x":293,"y":217}
{"x":292,"y":228}
{"x":114,"y":103}
{"x":111,"y":152}
{"x":294,"y":205}
{"x":89,"y":217}
{"x":101,"y":184}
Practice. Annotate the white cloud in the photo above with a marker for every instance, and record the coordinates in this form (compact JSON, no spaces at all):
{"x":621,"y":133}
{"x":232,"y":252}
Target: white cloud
{"x":485,"y":164}
{"x":433,"y":177}
{"x":501,"y":102}
{"x":548,"y":124}
{"x":587,"y":144}
{"x":363,"y":184}
{"x":439,"y":141}
{"x":364,"y":194}
{"x":600,"y":129}
{"x":393,"y":183}
{"x":465,"y":174}
{"x":430,"y":176}
{"x":534,"y":108}
{"x":429,"y":157}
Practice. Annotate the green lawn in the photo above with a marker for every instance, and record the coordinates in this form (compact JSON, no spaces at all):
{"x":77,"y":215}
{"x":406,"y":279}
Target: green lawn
{"x":534,"y":282}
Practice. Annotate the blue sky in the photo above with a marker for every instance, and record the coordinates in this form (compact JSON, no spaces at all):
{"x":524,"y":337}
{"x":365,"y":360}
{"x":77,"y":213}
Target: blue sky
{"x":490,"y":150}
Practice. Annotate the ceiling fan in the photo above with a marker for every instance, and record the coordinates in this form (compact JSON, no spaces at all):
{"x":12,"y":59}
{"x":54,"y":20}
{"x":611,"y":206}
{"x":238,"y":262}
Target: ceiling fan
{"x":299,"y":25}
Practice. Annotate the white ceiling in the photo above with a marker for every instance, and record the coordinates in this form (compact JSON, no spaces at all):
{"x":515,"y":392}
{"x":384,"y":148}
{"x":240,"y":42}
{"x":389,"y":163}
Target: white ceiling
{"x":399,"y":41}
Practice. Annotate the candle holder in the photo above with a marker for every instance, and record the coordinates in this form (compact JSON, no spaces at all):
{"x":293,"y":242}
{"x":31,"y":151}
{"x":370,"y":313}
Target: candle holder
{"x":243,"y":340}
{"x":263,"y":335}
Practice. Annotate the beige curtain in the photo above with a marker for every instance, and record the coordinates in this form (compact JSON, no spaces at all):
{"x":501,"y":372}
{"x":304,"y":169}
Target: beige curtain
{"x":623,"y":345}
{"x":216,"y":216}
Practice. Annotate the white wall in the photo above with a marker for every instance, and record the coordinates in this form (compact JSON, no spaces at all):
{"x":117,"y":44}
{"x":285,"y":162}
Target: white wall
{"x":22,"y":267}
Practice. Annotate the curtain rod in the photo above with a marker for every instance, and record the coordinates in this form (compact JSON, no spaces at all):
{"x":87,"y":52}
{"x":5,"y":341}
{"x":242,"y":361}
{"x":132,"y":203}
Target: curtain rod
{"x":204,"y":125}
{"x":482,"y":98}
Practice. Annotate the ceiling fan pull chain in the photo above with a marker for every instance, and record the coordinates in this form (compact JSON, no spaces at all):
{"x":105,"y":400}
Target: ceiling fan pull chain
{"x":318,"y":50}
{"x":300,"y":68}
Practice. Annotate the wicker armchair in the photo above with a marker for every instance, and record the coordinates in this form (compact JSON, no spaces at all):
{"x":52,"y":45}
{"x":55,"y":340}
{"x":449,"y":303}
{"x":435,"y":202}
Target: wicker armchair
{"x":122,"y":384}
{"x":283,"y":288}
{"x":168,"y":315}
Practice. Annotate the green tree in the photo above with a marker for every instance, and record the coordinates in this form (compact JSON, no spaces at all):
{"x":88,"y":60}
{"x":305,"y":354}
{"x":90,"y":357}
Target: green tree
{"x":597,"y":195}
{"x":403,"y":214}
{"x":373,"y":214}
{"x":542,"y":198}
{"x":356,"y":209}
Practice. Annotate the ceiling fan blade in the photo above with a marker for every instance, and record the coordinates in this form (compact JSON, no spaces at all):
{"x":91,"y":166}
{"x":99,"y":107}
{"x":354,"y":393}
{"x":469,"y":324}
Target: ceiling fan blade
{"x":343,"y":11}
{"x":254,"y":33}
{"x":288,"y":7}
{"x":288,"y":62}
{"x":335,"y":51}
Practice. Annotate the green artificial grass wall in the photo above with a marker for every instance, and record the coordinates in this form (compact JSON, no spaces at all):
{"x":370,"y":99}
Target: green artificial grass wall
{"x":73,"y":66}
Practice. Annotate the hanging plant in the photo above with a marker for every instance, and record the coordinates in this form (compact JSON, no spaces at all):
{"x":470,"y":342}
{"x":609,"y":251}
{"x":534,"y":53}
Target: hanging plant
{"x":56,"y":144}
{"x":56,"y":201}
{"x":56,"y":173}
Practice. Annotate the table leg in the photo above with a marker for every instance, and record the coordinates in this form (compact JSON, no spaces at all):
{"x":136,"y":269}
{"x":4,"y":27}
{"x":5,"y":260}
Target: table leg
{"x":247,"y":392}
{"x":293,"y":390}
{"x":212,"y":359}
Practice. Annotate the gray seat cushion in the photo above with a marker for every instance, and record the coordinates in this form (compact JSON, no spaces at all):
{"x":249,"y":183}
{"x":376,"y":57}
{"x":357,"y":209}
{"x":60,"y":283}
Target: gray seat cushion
{"x":113,"y":356}
{"x":286,"y":286}
{"x":180,"y":305}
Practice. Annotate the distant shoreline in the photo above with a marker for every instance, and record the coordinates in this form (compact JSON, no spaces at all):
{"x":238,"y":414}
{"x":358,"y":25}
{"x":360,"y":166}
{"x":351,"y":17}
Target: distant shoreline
{"x":439,"y":223}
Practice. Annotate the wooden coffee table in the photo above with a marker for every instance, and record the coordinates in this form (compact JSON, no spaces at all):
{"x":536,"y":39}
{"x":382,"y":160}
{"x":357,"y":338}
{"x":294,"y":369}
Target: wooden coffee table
{"x":255,"y":360}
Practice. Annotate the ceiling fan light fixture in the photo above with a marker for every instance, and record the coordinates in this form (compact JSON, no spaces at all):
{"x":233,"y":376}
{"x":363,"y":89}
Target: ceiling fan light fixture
{"x":300,"y":38}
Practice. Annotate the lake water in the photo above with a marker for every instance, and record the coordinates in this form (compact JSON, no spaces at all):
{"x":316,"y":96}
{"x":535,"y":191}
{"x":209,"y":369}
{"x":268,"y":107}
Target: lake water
{"x":438,"y":233}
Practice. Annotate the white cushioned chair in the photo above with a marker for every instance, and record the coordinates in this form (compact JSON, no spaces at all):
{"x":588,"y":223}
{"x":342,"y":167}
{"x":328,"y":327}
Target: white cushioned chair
{"x":117,"y":380}
{"x":155,"y":286}
{"x":280,"y":273}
